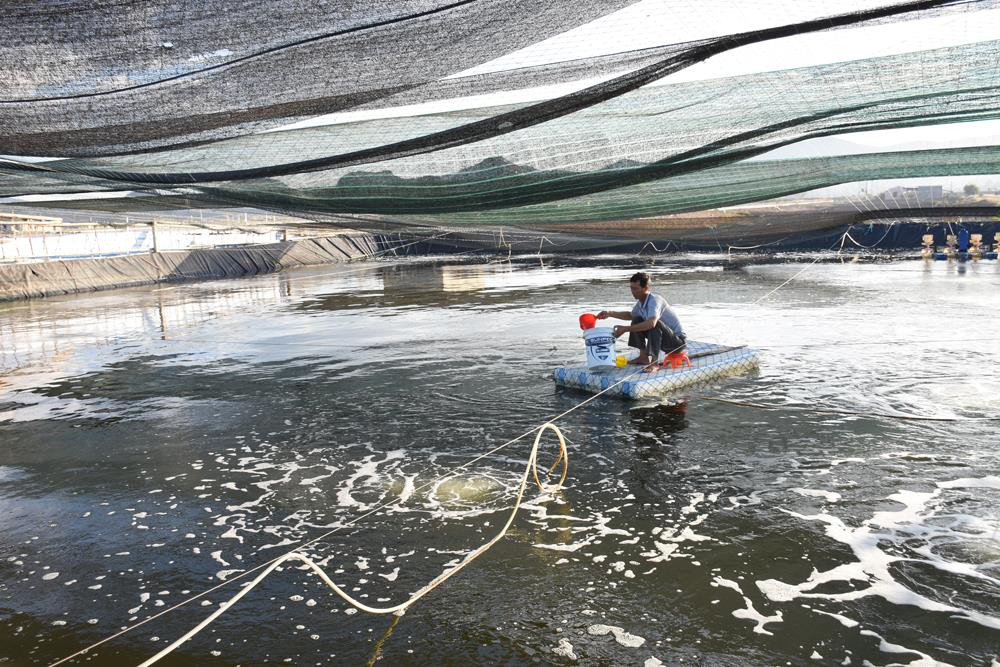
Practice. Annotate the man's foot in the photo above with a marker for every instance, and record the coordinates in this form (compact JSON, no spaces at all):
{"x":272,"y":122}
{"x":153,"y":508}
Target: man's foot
{"x":639,"y":361}
{"x":651,"y":368}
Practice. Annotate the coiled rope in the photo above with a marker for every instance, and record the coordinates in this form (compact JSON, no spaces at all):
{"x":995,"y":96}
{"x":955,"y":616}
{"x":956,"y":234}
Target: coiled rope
{"x":531,"y":468}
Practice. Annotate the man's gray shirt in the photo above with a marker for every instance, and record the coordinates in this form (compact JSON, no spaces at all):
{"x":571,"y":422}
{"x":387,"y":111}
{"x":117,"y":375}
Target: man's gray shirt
{"x":655,"y":305}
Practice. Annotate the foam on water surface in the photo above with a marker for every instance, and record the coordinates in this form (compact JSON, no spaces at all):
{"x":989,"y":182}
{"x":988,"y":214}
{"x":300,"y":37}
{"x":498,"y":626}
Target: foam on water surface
{"x":621,"y":636}
{"x":875,"y":562}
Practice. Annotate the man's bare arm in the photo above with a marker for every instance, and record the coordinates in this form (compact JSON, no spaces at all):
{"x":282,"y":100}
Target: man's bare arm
{"x":617,"y":314}
{"x":645,"y":325}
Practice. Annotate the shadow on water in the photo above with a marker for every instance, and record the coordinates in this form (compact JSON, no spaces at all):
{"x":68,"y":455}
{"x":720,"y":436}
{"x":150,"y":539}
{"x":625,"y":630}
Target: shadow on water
{"x":655,"y":439}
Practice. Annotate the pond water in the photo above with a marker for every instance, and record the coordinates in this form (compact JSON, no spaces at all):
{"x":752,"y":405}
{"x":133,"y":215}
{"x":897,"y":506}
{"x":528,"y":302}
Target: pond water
{"x":842,"y":508}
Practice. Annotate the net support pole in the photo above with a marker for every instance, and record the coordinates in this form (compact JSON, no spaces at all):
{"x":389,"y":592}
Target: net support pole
{"x":156,"y":243}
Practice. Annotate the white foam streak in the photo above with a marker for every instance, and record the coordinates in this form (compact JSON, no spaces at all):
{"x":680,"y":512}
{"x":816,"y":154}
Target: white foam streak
{"x":874,"y":565}
{"x":565,"y":649}
{"x":622,"y":637}
{"x":367,"y":469}
{"x":923,"y":661}
{"x":696,"y":498}
{"x":988,"y":482}
{"x":846,"y":622}
{"x":829,"y":496}
{"x":574,"y":546}
{"x":408,"y":488}
{"x":749,"y":613}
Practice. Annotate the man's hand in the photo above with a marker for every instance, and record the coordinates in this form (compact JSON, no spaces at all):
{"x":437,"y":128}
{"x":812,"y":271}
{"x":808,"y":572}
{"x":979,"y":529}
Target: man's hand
{"x":603,"y":315}
{"x":618,"y":330}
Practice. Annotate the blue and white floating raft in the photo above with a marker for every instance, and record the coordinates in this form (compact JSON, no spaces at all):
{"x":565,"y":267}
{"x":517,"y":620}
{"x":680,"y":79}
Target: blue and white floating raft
{"x":708,"y":362}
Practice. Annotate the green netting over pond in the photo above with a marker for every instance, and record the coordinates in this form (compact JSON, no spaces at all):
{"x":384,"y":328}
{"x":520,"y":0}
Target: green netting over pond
{"x":611,"y":142}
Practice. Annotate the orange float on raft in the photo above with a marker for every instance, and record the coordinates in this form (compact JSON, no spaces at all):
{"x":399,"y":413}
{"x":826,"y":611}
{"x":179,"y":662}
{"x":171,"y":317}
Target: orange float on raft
{"x":676,"y":360}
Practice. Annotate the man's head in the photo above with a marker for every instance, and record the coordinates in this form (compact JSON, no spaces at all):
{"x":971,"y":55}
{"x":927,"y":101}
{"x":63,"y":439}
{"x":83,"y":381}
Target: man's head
{"x":639,"y":284}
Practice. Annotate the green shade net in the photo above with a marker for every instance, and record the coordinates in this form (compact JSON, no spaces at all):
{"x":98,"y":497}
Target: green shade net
{"x":620,"y":145}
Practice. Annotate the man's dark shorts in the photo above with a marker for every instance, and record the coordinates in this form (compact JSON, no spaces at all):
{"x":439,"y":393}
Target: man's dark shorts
{"x":659,"y":338}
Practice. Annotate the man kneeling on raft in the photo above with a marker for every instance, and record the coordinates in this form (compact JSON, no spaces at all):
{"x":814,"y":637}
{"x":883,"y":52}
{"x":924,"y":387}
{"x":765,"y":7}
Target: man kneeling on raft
{"x":654,"y":327}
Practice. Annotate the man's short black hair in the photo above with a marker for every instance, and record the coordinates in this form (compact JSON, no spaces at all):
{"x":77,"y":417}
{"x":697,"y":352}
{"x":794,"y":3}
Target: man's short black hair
{"x":642,"y":278}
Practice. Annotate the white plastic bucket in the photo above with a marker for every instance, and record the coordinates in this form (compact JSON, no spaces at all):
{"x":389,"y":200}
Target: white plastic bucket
{"x":600,"y":343}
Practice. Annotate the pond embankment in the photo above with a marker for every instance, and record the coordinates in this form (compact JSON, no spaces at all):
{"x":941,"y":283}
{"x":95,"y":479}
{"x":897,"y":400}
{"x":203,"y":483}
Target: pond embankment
{"x":39,"y":279}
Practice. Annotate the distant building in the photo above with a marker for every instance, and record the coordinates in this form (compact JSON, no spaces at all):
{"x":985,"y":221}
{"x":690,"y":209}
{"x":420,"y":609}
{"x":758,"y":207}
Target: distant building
{"x":17,"y":222}
{"x":922,"y":193}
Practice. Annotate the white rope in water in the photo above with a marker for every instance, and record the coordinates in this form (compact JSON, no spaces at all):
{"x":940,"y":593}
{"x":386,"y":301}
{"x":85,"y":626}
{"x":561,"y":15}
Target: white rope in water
{"x":730,"y":248}
{"x":799,"y":273}
{"x":874,"y":245}
{"x":531,"y":468}
{"x":893,"y":221}
{"x":372,"y":256}
{"x":393,"y":250}
{"x":650,"y":243}
{"x":543,"y":240}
